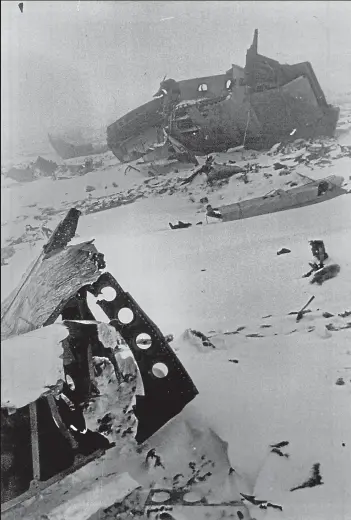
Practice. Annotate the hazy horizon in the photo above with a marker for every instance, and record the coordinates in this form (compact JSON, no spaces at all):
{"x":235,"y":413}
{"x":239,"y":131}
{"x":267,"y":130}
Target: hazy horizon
{"x":77,"y":63}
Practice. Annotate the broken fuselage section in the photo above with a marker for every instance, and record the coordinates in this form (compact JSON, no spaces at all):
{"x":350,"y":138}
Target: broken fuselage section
{"x":255,"y":106}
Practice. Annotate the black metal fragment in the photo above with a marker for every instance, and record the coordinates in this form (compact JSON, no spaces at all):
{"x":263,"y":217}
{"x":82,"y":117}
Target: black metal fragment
{"x":64,"y":232}
{"x":167,"y":386}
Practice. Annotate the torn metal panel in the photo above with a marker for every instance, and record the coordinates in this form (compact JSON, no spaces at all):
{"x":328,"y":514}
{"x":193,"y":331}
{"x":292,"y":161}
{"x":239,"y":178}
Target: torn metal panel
{"x":167,"y":385}
{"x":45,"y":290}
{"x":35,"y":365}
{"x":281,"y":200}
{"x":34,"y":303}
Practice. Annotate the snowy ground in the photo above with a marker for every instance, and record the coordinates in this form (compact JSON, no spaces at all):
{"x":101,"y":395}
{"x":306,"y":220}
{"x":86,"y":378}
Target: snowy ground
{"x":269,"y":379}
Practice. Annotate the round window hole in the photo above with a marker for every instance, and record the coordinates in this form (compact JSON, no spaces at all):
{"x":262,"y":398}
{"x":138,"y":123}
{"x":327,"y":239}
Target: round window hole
{"x":191,"y":497}
{"x":161,"y":496}
{"x":125,"y":315}
{"x":160,"y":370}
{"x":143,"y":340}
{"x":108,"y":294}
{"x":203,"y":87}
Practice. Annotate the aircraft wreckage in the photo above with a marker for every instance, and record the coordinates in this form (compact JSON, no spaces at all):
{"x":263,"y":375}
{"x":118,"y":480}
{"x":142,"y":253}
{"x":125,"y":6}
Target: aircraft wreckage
{"x":43,"y":430}
{"x":256,"y":106}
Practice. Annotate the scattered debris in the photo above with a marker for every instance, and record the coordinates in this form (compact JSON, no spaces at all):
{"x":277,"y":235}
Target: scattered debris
{"x":70,"y":272}
{"x":345,"y":314}
{"x":89,"y":188}
{"x":180,"y":225}
{"x":278,"y":166}
{"x":303,"y":310}
{"x":151,"y":454}
{"x":326,"y":273}
{"x":262,"y":504}
{"x":314,"y":480}
{"x":280,"y":453}
{"x":213,"y":212}
{"x":279,"y":445}
{"x":205,"y":340}
{"x":283,"y":251}
{"x":222,"y":171}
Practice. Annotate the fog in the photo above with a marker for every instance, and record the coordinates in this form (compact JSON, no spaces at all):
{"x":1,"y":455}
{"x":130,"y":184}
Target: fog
{"x":82,"y":63}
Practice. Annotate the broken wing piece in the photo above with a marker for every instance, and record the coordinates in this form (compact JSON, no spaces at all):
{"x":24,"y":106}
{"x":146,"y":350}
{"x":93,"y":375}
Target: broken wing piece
{"x":168,"y":387}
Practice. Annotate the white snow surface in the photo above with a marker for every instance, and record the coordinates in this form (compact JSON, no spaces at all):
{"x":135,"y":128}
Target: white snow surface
{"x":269,"y":379}
{"x":31,"y":363}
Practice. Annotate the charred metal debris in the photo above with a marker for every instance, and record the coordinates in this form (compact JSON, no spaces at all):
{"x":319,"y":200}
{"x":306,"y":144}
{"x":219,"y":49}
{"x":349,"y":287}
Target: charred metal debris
{"x":57,"y":284}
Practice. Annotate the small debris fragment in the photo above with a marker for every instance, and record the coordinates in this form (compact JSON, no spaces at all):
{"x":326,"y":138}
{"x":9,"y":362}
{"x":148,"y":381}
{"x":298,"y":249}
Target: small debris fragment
{"x":283,"y":251}
{"x":328,"y":314}
{"x":280,"y":444}
{"x":205,"y":340}
{"x":180,"y":225}
{"x":345,"y":314}
{"x":280,"y":453}
{"x":326,"y":273}
{"x":340,"y":381}
{"x":314,"y":480}
{"x":303,"y":311}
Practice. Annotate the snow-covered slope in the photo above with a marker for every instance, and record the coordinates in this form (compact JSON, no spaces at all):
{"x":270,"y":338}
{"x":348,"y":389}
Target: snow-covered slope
{"x":269,"y":379}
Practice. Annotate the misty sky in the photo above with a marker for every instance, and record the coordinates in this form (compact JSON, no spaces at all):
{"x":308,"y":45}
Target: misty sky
{"x":87,"y":63}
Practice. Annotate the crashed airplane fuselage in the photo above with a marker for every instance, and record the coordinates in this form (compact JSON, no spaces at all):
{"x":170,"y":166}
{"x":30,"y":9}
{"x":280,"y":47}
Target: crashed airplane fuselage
{"x":255,"y":106}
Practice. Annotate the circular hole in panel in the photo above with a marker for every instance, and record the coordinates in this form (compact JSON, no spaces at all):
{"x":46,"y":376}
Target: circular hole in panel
{"x":125,"y":315}
{"x":203,"y":87}
{"x":161,"y":496}
{"x":108,"y":294}
{"x":160,"y":370}
{"x":143,"y":340}
{"x":229,"y":84}
{"x":191,"y":497}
